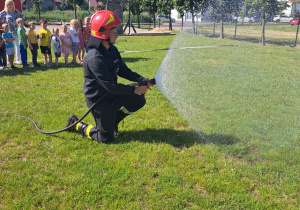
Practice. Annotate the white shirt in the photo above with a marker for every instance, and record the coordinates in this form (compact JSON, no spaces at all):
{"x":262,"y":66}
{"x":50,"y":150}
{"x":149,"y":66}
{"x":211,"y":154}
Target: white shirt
{"x":55,"y":41}
{"x":72,"y":32}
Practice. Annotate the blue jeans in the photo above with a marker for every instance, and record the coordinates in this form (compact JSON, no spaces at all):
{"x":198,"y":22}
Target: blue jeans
{"x":23,"y":53}
{"x":87,"y":49}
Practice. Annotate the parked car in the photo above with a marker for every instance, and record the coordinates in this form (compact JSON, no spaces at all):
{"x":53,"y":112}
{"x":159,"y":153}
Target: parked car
{"x":295,"y":21}
{"x":282,"y":19}
{"x":217,"y":18}
{"x":164,"y":18}
{"x":247,"y":19}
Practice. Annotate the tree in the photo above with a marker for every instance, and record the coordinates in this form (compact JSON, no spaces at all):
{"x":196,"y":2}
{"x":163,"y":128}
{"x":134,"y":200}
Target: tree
{"x":267,"y":8}
{"x":37,"y":9}
{"x":136,"y":8}
{"x":224,"y":7}
{"x":151,"y":7}
{"x":165,"y":7}
{"x":75,"y":3}
{"x":63,"y":5}
{"x":180,"y":7}
{"x":195,"y":7}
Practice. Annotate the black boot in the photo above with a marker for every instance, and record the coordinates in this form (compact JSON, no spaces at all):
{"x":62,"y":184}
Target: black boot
{"x":79,"y":126}
{"x":120,"y":116}
{"x":71,"y":120}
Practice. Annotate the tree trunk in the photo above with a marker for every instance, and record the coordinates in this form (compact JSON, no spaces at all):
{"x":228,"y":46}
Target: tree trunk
{"x":193,"y":22}
{"x":39,"y":12}
{"x":222,"y":26}
{"x":139,"y":24}
{"x":235,"y":29}
{"x":263,"y":29}
{"x":154,"y":24}
{"x":75,"y":11}
{"x":170,"y":24}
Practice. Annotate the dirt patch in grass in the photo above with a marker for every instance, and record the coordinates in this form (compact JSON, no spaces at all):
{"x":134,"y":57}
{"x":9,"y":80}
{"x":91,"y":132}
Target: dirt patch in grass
{"x":159,"y":30}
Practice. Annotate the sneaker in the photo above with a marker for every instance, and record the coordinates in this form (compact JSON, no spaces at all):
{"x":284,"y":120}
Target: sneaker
{"x":1,"y":67}
{"x":71,"y":120}
{"x":37,"y":65}
{"x":68,"y":65}
{"x":49,"y":65}
{"x":18,"y":63}
{"x":13,"y":67}
{"x":44,"y":65}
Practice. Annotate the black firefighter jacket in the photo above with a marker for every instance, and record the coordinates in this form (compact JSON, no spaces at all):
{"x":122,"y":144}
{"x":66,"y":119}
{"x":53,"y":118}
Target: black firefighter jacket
{"x":101,"y":68}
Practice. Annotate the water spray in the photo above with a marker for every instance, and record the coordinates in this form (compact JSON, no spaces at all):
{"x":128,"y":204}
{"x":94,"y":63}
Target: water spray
{"x":179,"y":48}
{"x":141,"y":82}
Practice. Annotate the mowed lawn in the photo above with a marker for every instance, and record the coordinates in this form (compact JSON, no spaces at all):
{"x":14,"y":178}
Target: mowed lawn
{"x":217,"y":156}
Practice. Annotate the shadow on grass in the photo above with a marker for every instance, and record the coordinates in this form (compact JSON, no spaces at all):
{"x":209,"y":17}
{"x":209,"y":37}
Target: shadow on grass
{"x":175,"y":138}
{"x":28,"y":71}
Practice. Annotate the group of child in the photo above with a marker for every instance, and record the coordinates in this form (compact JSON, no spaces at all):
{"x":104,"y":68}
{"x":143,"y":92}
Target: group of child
{"x":73,"y":42}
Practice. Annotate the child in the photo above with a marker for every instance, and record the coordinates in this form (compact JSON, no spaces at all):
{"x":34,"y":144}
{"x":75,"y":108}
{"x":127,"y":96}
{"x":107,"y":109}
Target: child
{"x":81,"y":41}
{"x":66,"y":43}
{"x":9,"y":45}
{"x":45,"y":42}
{"x":33,"y":43}
{"x":56,"y":45}
{"x":86,"y":32}
{"x":75,"y":39}
{"x":22,"y":42}
{"x":3,"y":62}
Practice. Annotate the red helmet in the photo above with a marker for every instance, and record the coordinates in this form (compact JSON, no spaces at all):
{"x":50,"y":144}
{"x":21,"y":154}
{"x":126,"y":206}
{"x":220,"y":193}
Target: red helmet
{"x":102,"y":22}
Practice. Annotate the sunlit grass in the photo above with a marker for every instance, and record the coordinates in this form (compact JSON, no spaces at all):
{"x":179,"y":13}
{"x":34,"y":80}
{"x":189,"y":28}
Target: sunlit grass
{"x":246,"y":156}
{"x":279,"y":34}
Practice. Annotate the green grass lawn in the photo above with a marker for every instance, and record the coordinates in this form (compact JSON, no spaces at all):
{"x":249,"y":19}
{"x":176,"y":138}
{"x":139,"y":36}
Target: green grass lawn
{"x":228,"y":139}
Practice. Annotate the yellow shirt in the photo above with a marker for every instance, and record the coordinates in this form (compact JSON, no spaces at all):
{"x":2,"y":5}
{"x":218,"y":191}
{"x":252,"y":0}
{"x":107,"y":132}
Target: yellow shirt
{"x":32,"y":37}
{"x":44,"y":36}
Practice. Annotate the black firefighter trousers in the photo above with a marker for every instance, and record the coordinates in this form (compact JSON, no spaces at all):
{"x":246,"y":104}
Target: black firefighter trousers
{"x":105,"y":113}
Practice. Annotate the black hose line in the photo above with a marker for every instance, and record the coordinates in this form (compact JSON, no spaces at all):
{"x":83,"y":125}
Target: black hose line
{"x":58,"y":131}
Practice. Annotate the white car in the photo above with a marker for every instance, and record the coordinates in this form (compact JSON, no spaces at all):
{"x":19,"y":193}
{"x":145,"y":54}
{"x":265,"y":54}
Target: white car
{"x":247,"y":19}
{"x":282,"y":19}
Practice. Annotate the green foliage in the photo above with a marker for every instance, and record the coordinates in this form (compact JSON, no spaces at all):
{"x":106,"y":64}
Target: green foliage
{"x":136,"y":7}
{"x":270,"y":7}
{"x":266,"y":7}
{"x":134,"y":18}
{"x":165,"y":6}
{"x":75,"y":3}
{"x":36,"y":7}
{"x":50,"y":16}
{"x":225,"y":6}
{"x":180,"y":6}
{"x":150,"y":6}
{"x":63,"y":5}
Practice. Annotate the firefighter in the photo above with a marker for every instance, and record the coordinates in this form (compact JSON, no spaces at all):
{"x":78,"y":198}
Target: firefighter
{"x":102,"y":65}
